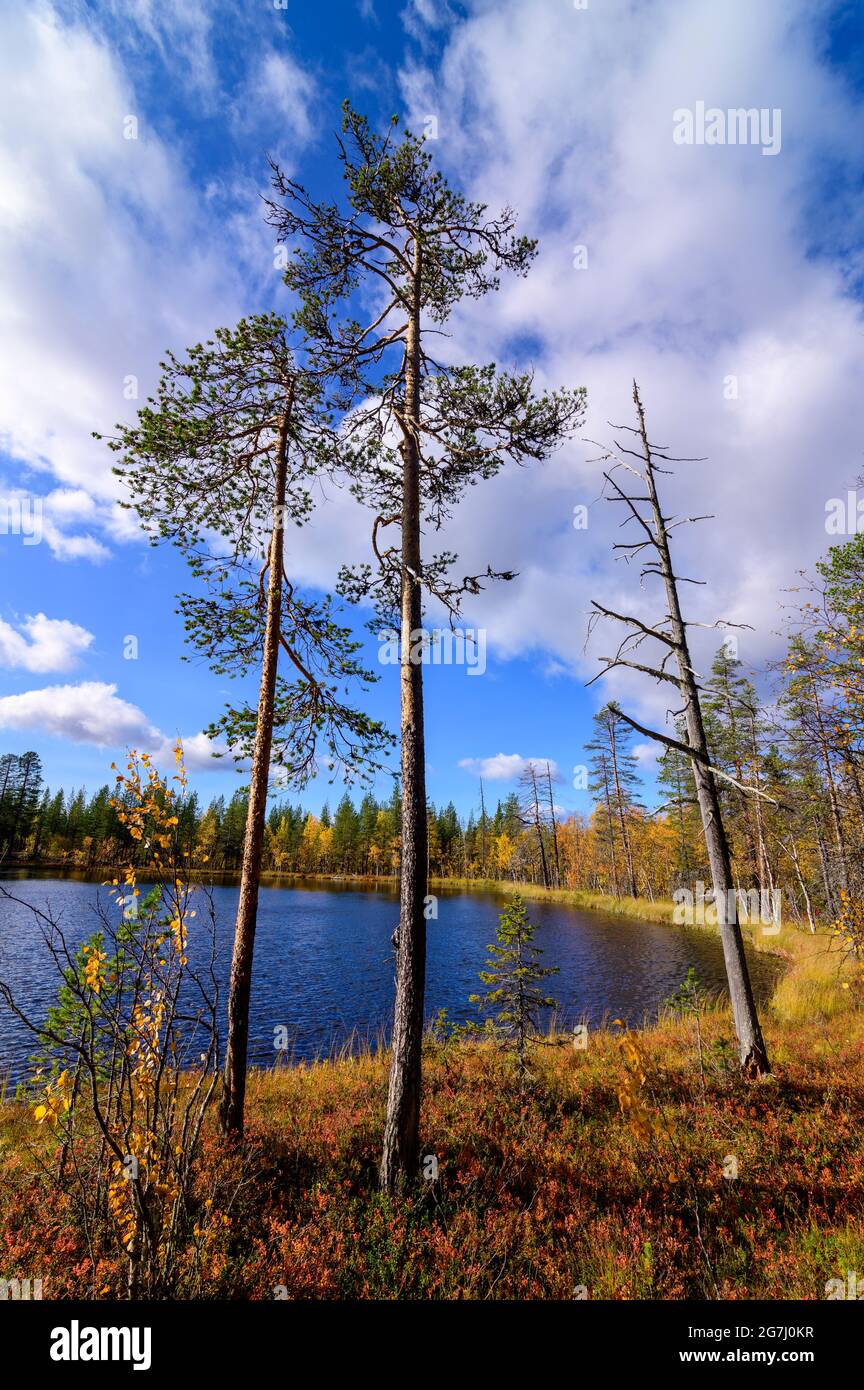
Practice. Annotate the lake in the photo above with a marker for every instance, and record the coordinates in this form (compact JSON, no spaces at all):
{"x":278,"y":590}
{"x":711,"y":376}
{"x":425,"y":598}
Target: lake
{"x":324,"y":962}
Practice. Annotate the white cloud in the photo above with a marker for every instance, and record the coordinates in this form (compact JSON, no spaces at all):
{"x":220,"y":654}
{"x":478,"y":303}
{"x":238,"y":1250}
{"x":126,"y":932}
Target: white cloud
{"x":700,"y":268}
{"x":279,"y":86}
{"x":181,"y":32}
{"x":92,"y":712}
{"x":142,"y":259}
{"x":57,"y":518}
{"x":646,"y":755}
{"x":419,"y":17}
{"x":507,"y":767}
{"x":96,"y":292}
{"x":43,"y":644}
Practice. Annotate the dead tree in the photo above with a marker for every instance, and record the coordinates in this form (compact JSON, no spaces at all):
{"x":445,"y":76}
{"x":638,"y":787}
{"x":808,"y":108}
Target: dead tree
{"x":531,"y":815}
{"x":644,"y":511}
{"x":553,"y":825}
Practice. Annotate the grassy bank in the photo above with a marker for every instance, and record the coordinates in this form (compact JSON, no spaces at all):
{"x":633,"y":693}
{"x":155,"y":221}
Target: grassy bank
{"x":535,"y":1196}
{"x":613,"y":1174}
{"x":639,"y":1167}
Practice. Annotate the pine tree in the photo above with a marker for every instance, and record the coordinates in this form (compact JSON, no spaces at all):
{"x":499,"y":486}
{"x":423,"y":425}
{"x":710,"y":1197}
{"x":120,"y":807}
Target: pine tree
{"x":614,"y":779}
{"x":422,"y":432}
{"x":675,"y":778}
{"x":345,"y":835}
{"x":512,"y":999}
{"x":20,"y":793}
{"x":229,"y":449}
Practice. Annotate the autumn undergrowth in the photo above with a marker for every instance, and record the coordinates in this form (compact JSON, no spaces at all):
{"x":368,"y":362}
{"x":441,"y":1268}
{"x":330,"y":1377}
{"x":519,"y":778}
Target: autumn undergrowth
{"x":640,"y":1166}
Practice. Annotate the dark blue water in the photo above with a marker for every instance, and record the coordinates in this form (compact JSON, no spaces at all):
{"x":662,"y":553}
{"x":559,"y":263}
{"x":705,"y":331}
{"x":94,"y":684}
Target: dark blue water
{"x":324,"y":963}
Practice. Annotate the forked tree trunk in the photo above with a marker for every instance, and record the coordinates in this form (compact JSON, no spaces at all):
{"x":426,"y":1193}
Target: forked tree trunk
{"x":751,"y":1047}
{"x":400,"y":1158}
{"x":234,"y":1087}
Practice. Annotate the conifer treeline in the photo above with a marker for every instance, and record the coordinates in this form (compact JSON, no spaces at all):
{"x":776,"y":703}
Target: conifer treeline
{"x":803,"y":834}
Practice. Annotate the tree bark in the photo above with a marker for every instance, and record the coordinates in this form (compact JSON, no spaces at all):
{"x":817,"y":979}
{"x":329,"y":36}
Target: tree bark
{"x":554,"y":824}
{"x":752,"y":1052}
{"x":611,"y":828}
{"x":622,"y":819}
{"x":234,"y":1080}
{"x":401,"y":1150}
{"x":831,"y":785}
{"x":538,"y":827}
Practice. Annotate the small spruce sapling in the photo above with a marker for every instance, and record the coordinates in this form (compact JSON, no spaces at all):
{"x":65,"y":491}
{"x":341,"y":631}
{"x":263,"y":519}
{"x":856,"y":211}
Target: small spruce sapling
{"x":513,"y":1001}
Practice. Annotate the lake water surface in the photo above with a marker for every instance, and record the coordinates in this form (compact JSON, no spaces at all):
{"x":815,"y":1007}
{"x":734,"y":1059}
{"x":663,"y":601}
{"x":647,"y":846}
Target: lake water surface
{"x":324,"y":962}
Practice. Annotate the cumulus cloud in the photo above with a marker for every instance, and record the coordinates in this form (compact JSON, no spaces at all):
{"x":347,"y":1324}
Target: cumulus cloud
{"x":133,"y":265}
{"x":39,"y":643}
{"x":646,"y":755}
{"x":508,"y":767}
{"x":64,"y":519}
{"x":143,"y":258}
{"x":708,"y":278}
{"x":92,"y":712}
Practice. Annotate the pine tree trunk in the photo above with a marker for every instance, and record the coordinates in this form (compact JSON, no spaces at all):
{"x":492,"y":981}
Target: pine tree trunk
{"x":234,"y":1081}
{"x":554,"y":828}
{"x":833,"y":801}
{"x":611,"y":827}
{"x":401,"y":1151}
{"x":751,"y":1047}
{"x":622,"y":820}
{"x":539,"y":828}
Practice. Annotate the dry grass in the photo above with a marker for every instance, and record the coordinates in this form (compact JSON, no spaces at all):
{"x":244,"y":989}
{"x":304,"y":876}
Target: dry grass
{"x":612,"y":1173}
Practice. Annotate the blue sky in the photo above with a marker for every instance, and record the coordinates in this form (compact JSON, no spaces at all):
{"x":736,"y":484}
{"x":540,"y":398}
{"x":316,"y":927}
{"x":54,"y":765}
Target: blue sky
{"x":703,"y":265}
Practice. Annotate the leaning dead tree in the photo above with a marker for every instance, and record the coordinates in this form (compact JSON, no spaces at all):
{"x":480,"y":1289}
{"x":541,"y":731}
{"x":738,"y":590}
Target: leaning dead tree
{"x":643,"y":510}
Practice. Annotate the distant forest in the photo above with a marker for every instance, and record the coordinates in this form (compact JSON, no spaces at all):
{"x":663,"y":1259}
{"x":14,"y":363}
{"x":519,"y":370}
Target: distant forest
{"x":803,"y":835}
